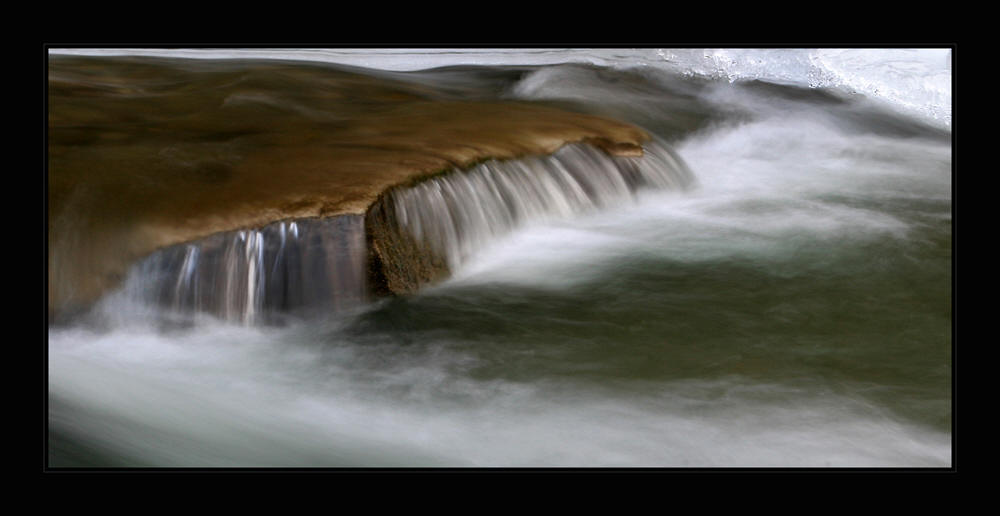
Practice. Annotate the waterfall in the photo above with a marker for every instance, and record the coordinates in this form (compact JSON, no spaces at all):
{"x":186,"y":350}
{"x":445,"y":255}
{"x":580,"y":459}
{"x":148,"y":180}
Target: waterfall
{"x":251,"y":276}
{"x":455,"y":215}
{"x":415,"y":235}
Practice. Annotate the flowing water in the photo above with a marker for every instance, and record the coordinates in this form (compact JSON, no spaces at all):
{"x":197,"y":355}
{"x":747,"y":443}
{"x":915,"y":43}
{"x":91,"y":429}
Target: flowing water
{"x":770,"y":285}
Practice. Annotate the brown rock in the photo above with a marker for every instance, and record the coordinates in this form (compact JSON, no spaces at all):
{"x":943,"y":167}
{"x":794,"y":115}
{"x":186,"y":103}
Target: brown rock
{"x":150,"y":153}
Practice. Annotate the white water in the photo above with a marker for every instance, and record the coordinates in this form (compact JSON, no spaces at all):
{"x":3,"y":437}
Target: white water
{"x":226,"y":396}
{"x":460,"y":214}
{"x":763,"y":191}
{"x":916,"y":81}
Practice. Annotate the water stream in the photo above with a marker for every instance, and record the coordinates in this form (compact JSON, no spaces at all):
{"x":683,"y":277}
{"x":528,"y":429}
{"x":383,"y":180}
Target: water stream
{"x":770,"y":285}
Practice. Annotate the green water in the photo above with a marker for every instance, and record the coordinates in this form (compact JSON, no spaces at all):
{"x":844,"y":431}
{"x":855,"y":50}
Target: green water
{"x":867,"y":319}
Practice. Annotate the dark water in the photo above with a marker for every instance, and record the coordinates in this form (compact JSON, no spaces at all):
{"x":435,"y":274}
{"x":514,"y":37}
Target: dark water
{"x":793,"y":308}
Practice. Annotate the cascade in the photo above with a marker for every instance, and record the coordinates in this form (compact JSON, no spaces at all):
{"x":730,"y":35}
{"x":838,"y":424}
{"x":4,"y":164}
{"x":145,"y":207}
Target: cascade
{"x":253,"y":276}
{"x":412,"y":236}
{"x":457,"y":214}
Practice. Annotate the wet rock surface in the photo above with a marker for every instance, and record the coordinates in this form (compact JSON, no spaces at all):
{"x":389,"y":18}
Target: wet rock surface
{"x":149,"y":153}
